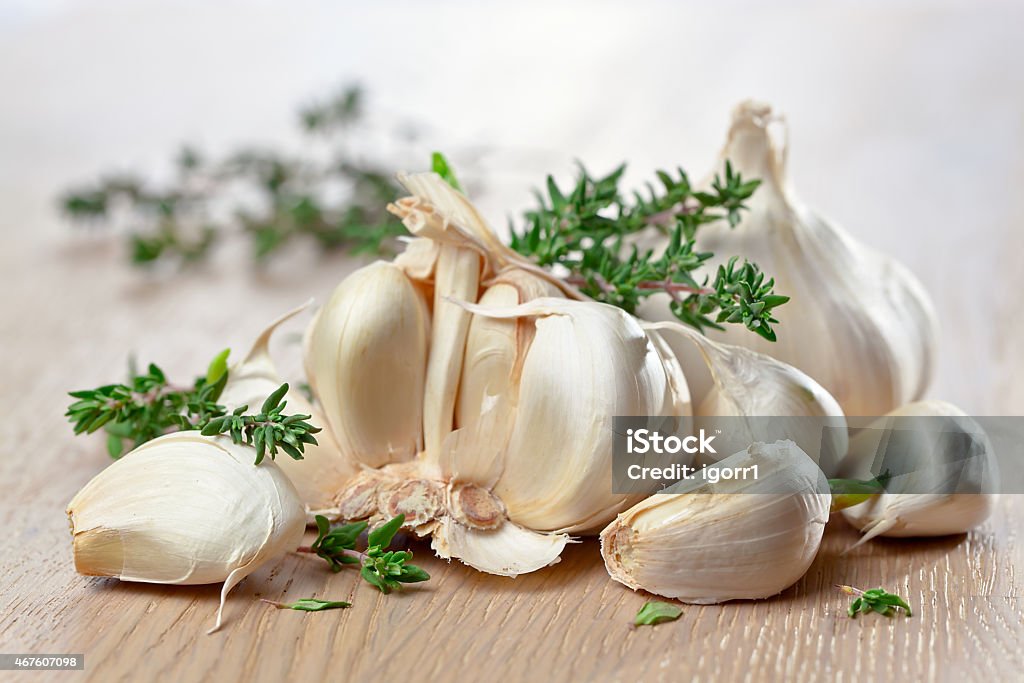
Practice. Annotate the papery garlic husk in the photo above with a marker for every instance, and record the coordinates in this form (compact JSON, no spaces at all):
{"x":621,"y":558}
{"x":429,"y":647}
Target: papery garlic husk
{"x":858,"y":322}
{"x":705,"y":543}
{"x":324,"y":469}
{"x":947,"y":472}
{"x":185,"y":509}
{"x":754,"y":397}
{"x":367,"y":356}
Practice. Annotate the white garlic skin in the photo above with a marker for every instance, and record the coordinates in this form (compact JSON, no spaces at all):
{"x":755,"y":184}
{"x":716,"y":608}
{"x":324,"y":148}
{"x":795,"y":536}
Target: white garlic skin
{"x":858,"y":322}
{"x":184,"y":509}
{"x":930,"y":509}
{"x":586,"y":363}
{"x":724,"y":541}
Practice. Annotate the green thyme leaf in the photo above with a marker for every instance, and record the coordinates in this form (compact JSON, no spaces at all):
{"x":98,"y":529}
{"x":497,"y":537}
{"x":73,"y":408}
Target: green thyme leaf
{"x":441,"y":167}
{"x":656,"y":612}
{"x":310,"y":604}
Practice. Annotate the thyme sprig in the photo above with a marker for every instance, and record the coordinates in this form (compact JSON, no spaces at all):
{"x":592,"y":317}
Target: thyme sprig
{"x":385,"y":569}
{"x":876,"y":600}
{"x":586,"y":232}
{"x":334,"y":198}
{"x":148,"y":405}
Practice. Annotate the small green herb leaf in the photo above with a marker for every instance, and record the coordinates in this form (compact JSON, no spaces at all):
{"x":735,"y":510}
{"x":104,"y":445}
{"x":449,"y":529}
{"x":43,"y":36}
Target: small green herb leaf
{"x":441,"y":167}
{"x":876,"y":599}
{"x":310,"y":604}
{"x":218,"y":367}
{"x":656,"y":612}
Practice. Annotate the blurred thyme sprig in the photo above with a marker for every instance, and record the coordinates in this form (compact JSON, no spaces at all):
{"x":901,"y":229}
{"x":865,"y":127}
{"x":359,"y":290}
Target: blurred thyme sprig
{"x":273,"y":197}
{"x":385,"y":569}
{"x":875,"y":600}
{"x":585,"y":231}
{"x":149,"y":406}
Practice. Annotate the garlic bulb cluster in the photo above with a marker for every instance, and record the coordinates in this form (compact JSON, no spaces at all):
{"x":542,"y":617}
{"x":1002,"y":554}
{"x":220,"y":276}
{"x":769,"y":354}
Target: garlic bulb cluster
{"x":324,"y":469}
{"x":703,"y":542}
{"x":947,"y":474}
{"x":859,"y":323}
{"x":497,"y":386}
{"x":185,"y":509}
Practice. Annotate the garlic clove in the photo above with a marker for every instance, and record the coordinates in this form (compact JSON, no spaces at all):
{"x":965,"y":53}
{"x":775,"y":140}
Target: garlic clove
{"x":368,"y":353}
{"x":509,"y":550}
{"x":586,"y":363}
{"x":323,"y":470}
{"x":872,"y":324}
{"x":751,"y":392}
{"x":185,"y":509}
{"x":706,"y":543}
{"x":945,"y":485}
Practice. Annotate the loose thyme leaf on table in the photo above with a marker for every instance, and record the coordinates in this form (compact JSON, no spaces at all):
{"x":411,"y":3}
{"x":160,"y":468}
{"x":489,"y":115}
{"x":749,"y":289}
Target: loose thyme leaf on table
{"x":385,"y":569}
{"x":656,"y":612}
{"x":309,"y":604}
{"x":584,"y":230}
{"x":874,"y":600}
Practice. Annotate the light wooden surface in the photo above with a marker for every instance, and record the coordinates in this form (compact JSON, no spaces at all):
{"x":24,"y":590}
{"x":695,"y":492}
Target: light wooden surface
{"x":81,"y":311}
{"x":915,"y":146}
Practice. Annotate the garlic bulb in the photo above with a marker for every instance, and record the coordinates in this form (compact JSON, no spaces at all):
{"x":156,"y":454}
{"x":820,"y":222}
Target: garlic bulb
{"x":711,"y":542}
{"x":323,"y":470}
{"x":858,"y":322}
{"x":185,"y":509}
{"x":368,"y":354}
{"x":945,"y":472}
{"x":754,"y":397}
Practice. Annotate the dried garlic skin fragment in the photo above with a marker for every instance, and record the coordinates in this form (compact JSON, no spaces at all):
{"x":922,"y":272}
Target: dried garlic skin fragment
{"x":949,"y":483}
{"x":324,"y":470}
{"x":732,"y":540}
{"x":185,"y":509}
{"x":858,"y":322}
{"x":368,"y":355}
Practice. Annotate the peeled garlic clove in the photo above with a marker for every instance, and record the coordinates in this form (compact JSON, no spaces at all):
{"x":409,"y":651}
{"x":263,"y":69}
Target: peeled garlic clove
{"x":945,"y":475}
{"x":185,"y":509}
{"x":760,"y":398}
{"x":858,"y":322}
{"x":706,"y":543}
{"x":368,"y":353}
{"x":323,"y":470}
{"x":586,"y":363}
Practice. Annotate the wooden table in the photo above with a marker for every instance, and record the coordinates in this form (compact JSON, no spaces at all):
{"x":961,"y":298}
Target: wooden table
{"x":72,"y":313}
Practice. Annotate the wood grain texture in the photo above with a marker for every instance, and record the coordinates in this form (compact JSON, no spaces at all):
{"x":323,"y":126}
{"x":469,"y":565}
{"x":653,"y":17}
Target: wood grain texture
{"x":79,"y":311}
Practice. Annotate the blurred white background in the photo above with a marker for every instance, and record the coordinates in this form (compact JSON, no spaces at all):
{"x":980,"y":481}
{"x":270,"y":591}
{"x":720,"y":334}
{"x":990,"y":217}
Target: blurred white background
{"x":906,"y":118}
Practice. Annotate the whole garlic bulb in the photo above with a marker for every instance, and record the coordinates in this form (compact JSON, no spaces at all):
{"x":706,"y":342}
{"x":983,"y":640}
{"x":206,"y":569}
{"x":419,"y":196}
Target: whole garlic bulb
{"x":185,"y":509}
{"x":324,"y":469}
{"x":703,"y":542}
{"x":948,"y":474}
{"x":858,"y":322}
